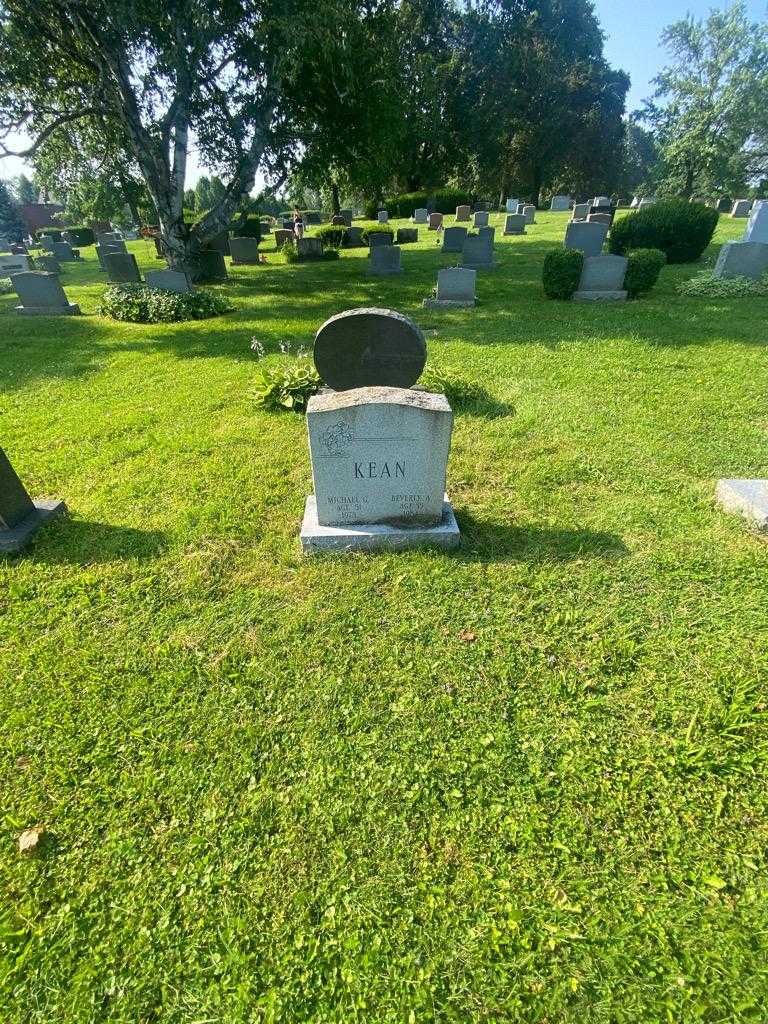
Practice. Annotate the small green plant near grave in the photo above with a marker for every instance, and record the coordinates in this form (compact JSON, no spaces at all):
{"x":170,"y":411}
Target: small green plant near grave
{"x":682,"y":230}
{"x":333,"y":236}
{"x":562,"y":272}
{"x":138,"y":304}
{"x":288,"y":386}
{"x":457,"y":387}
{"x":706,"y":286}
{"x":5,"y":286}
{"x":643,"y":269}
{"x":290,"y":252}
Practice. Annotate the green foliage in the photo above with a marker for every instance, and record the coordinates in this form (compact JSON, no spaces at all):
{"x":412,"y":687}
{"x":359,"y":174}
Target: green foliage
{"x":682,"y":230}
{"x":562,"y":273}
{"x":138,"y":304}
{"x":290,"y":252}
{"x":376,"y":229}
{"x":288,"y":386}
{"x":247,"y":227}
{"x":643,"y":269}
{"x":706,"y":286}
{"x":83,"y":236}
{"x":335,"y":235}
{"x":6,"y":288}
{"x":445,"y":200}
{"x":11,"y":224}
{"x":458,"y":388}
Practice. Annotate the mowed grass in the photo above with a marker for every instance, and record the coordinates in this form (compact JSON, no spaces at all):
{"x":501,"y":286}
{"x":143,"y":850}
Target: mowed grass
{"x":525,"y":781}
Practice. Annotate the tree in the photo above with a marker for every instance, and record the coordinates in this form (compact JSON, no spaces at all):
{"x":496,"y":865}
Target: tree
{"x":11,"y":225}
{"x":26,"y":190}
{"x":640,"y":161}
{"x":190,"y":199}
{"x":156,"y":73}
{"x":203,"y":193}
{"x":708,"y":113}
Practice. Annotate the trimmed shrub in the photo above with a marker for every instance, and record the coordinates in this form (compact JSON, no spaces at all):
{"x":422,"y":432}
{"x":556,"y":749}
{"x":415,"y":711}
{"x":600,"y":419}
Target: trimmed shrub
{"x":682,"y":230}
{"x":562,"y":273}
{"x":333,"y":235}
{"x":445,"y":200}
{"x":707,"y":286}
{"x":643,"y":270}
{"x":82,"y":235}
{"x":287,"y":387}
{"x":138,"y":304}
{"x":442,"y":200}
{"x":250,"y":228}
{"x":377,"y":229}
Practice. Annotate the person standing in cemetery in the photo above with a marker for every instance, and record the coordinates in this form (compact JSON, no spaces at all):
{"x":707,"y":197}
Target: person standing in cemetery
{"x":298,"y":224}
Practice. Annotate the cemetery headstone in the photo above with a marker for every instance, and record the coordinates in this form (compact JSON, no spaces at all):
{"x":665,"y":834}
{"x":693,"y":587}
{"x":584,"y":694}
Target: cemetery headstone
{"x":168,"y":280}
{"x":355,"y":236}
{"x":435,"y":221}
{"x":121,"y":267}
{"x":741,"y":208}
{"x":560,"y":204}
{"x":585,"y":236}
{"x":477,"y":252}
{"x":529,"y":214}
{"x":383,"y":217}
{"x":41,"y":294}
{"x":406,"y":236}
{"x":11,"y":264}
{"x":48,"y":263}
{"x":481,"y":219}
{"x":600,"y":218}
{"x":219,"y":243}
{"x":105,"y":248}
{"x":338,"y":221}
{"x":580,"y":211}
{"x":453,"y":239}
{"x":601,"y":202}
{"x":20,"y":516}
{"x":421,"y":216}
{"x":5,"y":244}
{"x":46,"y":243}
{"x":747,"y":497}
{"x":724,"y":204}
{"x":455,"y":289}
{"x":602,"y":278}
{"x":512,"y":205}
{"x":463,"y":212}
{"x":742,"y":259}
{"x":757,"y":225}
{"x":313,"y":217}
{"x":245,"y":251}
{"x":367,"y":347}
{"x":265,"y":228}
{"x":309,"y":248}
{"x":211,"y":268}
{"x":514,"y":224}
{"x":282,"y":235}
{"x":347,"y":215}
{"x":385,"y":260}
{"x":379,"y":238}
{"x":64,"y":252}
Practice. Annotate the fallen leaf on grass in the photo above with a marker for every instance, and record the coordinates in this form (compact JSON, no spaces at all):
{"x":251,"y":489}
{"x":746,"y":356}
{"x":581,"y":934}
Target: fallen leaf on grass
{"x":29,"y":840}
{"x":467,"y":636}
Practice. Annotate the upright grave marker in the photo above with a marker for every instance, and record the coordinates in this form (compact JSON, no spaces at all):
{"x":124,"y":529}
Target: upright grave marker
{"x":420,"y":216}
{"x":41,"y":294}
{"x":455,"y":289}
{"x":435,"y":221}
{"x":244,"y":251}
{"x":20,"y":516}
{"x":463,"y":213}
{"x":122,"y":267}
{"x":481,"y":219}
{"x":602,"y":279}
{"x":560,"y":204}
{"x":385,"y":260}
{"x":514,"y":224}
{"x":453,"y":239}
{"x":585,"y":236}
{"x":168,"y":280}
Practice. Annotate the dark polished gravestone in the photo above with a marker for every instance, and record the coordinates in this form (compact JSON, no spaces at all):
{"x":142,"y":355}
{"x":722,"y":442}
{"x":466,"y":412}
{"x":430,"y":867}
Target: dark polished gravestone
{"x":41,"y":294}
{"x":369,"y":347}
{"x":121,"y":267}
{"x":20,"y":516}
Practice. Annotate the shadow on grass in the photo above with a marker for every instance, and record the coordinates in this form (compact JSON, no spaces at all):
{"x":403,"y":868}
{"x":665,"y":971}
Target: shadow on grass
{"x":489,"y":540}
{"x":67,"y":541}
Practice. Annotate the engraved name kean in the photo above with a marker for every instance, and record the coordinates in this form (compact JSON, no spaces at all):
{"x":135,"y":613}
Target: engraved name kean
{"x":378,"y":470}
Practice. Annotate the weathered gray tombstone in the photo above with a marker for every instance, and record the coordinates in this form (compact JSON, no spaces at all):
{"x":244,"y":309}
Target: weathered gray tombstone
{"x":512,"y":205}
{"x":747,"y":497}
{"x":122,"y":267}
{"x":757,"y":225}
{"x":48,"y":263}
{"x":379,"y":460}
{"x":104,"y":237}
{"x":600,"y":218}
{"x":365,"y":347}
{"x":724,"y":204}
{"x":477,"y":252}
{"x":741,"y":208}
{"x":309,"y":248}
{"x":385,"y":260}
{"x":580,"y":211}
{"x":355,"y":237}
{"x":20,"y":516}
{"x":211,"y":268}
{"x":337,"y":221}
{"x":64,"y":252}
{"x":463,"y":213}
{"x":529,"y":213}
{"x":219,"y":243}
{"x":379,"y":238}
{"x":514,"y":224}
{"x":435,"y":221}
{"x":481,"y":219}
{"x":455,"y":289}
{"x":406,"y":236}
{"x":589,"y":238}
{"x":41,"y":294}
{"x":5,"y":244}
{"x":104,"y":249}
{"x":601,"y":202}
{"x":168,"y":280}
{"x":265,"y":228}
{"x":421,"y":216}
{"x":742,"y":259}
{"x":11,"y":264}
{"x":453,"y":239}
{"x":244,"y":251}
{"x":602,"y":279}
{"x":282,"y":235}
{"x":347,"y":215}
{"x":383,"y":217}
{"x":560,"y":204}
{"x":46,"y":243}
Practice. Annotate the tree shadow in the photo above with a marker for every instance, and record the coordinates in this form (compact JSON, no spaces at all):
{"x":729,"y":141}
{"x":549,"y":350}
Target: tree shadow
{"x":67,"y":541}
{"x":490,"y":540}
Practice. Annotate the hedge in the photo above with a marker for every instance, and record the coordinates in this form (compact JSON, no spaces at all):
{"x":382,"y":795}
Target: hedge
{"x":682,"y":230}
{"x":562,"y":273}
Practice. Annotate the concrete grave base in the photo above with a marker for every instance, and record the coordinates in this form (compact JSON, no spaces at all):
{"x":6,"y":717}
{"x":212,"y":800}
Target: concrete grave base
{"x":378,"y":536}
{"x":447,"y":304}
{"x":16,"y":539}
{"x":747,"y":497}
{"x":599,"y":296}
{"x":71,"y":309}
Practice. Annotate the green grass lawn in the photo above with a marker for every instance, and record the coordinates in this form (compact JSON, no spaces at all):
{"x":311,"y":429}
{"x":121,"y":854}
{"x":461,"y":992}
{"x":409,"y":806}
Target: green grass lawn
{"x":522,"y":782}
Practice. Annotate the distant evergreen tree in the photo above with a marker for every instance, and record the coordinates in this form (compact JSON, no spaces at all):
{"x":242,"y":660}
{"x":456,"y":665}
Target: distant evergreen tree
{"x":11,"y":224}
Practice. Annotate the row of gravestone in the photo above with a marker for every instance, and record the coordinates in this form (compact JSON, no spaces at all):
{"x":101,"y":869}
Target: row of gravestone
{"x":476,"y":251}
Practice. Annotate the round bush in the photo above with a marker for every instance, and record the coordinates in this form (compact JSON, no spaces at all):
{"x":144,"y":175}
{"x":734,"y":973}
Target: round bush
{"x":138,"y":304}
{"x":643,"y":270}
{"x":82,"y":236}
{"x":682,"y":230}
{"x":562,"y":273}
{"x":335,"y":235}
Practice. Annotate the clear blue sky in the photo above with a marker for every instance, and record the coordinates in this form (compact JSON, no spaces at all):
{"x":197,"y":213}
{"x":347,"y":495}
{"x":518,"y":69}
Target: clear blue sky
{"x":632,"y":29}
